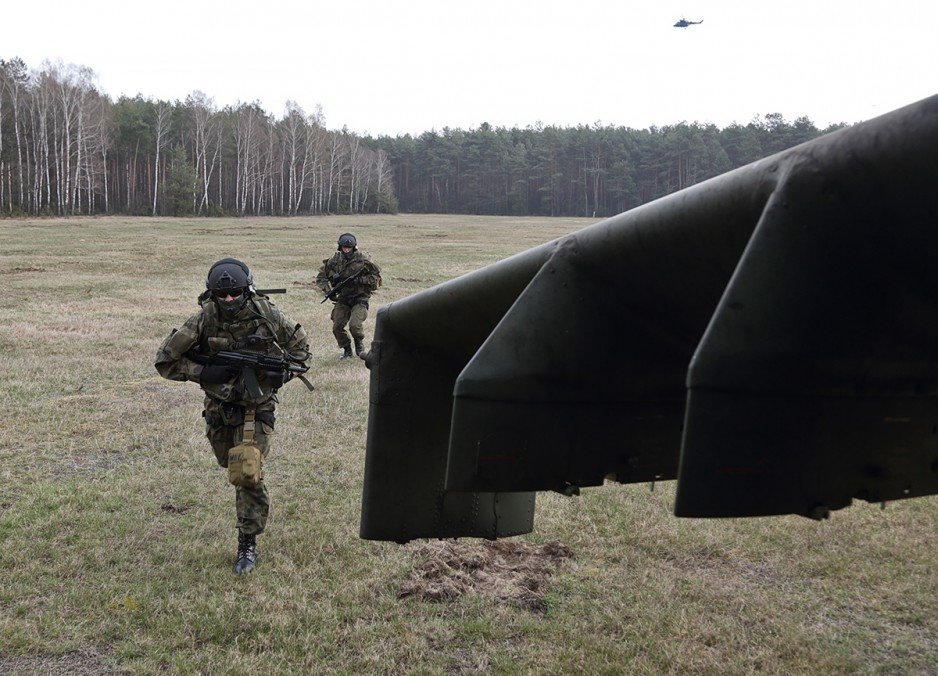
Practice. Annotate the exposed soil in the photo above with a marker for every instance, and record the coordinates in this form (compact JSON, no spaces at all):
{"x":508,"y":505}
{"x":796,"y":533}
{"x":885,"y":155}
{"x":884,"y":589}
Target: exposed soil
{"x":14,"y":271}
{"x":175,"y":509}
{"x":510,"y":571}
{"x":69,"y":663}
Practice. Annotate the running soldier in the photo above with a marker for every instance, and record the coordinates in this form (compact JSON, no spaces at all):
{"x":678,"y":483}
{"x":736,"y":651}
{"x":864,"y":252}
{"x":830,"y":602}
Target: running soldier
{"x":214,"y":348}
{"x":348,"y":279}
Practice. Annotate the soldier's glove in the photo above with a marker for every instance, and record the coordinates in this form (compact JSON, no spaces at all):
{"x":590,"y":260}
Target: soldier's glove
{"x":216,"y":374}
{"x":276,"y":379}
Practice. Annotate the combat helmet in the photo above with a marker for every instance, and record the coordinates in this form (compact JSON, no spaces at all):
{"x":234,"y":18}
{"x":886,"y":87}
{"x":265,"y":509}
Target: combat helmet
{"x":230,"y":277}
{"x":347,"y":239}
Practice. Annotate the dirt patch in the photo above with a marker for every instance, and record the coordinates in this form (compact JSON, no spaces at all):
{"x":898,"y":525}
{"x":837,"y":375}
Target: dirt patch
{"x":509,"y":571}
{"x":70,"y":663}
{"x":242,"y":231}
{"x":15,"y":271}
{"x":175,"y":509}
{"x":305,"y":285}
{"x":219,"y":231}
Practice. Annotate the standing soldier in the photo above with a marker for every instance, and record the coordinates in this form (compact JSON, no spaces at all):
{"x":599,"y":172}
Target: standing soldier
{"x":348,"y":279}
{"x":239,"y":399}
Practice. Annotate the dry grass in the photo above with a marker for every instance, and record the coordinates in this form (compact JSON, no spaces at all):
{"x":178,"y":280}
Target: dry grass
{"x":512,"y":571}
{"x":117,"y":527}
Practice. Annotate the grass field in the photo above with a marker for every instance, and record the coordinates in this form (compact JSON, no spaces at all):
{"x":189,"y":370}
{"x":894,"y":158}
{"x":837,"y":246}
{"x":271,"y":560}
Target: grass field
{"x":117,"y":527}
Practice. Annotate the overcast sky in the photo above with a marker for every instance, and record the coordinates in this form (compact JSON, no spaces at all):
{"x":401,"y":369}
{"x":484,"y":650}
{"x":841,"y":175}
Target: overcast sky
{"x":407,"y":66}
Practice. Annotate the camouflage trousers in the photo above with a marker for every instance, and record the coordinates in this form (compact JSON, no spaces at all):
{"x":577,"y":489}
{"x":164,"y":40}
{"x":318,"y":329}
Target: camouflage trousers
{"x":224,"y":427}
{"x":352,"y":315}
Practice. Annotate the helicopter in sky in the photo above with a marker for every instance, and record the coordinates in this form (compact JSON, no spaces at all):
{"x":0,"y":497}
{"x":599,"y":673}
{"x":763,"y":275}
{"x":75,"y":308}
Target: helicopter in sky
{"x":684,"y":23}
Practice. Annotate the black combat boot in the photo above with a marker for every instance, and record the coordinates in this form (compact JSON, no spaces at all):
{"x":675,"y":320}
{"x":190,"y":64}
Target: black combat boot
{"x":359,"y":347}
{"x":247,"y":554}
{"x":346,"y":352}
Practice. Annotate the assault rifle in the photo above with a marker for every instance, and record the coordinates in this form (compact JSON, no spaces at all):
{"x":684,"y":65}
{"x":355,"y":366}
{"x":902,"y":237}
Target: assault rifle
{"x":333,"y":295}
{"x":251,"y":362}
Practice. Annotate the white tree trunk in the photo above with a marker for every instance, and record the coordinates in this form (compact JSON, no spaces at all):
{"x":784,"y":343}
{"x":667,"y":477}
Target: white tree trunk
{"x":162,"y":127}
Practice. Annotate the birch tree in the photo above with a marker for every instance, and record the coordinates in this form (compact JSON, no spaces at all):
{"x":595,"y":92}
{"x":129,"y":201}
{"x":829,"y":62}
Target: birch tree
{"x":294,"y":134}
{"x":42,"y":112}
{"x":4,"y":171}
{"x":206,"y":149}
{"x":66,"y":148}
{"x":384,"y":176}
{"x":69,"y":88}
{"x":160,"y":136}
{"x":246,"y":143}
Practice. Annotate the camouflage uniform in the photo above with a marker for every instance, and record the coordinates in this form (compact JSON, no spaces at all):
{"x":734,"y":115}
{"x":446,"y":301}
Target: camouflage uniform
{"x":207,"y":332}
{"x":351,"y":306}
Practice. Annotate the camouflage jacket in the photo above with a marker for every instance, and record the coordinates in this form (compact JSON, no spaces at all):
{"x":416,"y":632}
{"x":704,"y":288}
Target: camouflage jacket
{"x":338,"y":268}
{"x":207,"y":332}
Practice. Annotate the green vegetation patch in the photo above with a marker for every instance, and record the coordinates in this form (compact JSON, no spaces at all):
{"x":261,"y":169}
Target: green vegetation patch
{"x":117,"y":530}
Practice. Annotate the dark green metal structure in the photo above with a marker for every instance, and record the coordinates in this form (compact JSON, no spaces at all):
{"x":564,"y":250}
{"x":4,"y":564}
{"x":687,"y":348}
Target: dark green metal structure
{"x":768,"y":337}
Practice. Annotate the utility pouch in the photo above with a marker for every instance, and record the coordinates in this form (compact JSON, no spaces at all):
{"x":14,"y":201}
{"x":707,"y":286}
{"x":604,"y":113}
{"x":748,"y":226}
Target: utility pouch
{"x":245,"y":459}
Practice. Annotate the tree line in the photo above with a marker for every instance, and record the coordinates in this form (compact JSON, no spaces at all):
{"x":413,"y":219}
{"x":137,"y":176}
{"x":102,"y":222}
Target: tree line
{"x":66,"y":148}
{"x":583,"y":171}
